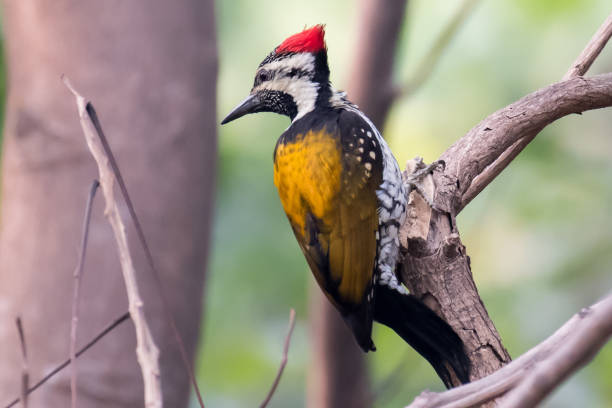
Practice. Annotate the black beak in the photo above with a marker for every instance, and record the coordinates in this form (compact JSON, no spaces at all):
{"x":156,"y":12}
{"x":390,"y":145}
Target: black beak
{"x":249,"y":105}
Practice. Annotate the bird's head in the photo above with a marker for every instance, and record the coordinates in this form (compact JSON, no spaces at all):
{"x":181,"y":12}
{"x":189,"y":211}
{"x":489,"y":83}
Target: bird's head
{"x":292,"y":79}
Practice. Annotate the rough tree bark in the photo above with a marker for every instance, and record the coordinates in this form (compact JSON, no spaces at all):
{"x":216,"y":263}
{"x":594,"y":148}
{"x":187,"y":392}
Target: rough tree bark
{"x":438,"y":268}
{"x":152,"y":73}
{"x":338,"y":375}
{"x":471,"y":158}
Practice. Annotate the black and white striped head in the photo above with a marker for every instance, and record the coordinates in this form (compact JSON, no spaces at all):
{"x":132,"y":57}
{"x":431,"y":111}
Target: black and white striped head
{"x":292,"y":80}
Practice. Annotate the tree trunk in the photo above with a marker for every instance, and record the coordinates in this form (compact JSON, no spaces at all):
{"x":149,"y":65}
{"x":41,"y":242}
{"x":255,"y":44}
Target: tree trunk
{"x":151,"y":73}
{"x":338,"y":374}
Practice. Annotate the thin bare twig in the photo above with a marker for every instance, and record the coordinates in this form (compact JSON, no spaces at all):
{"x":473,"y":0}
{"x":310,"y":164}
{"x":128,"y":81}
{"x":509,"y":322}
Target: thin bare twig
{"x":78,"y":272}
{"x":25,"y":376}
{"x":431,"y":59}
{"x":579,"y":68}
{"x":110,"y":157}
{"x":146,"y":349}
{"x":591,"y":51}
{"x":110,"y":327}
{"x":283,"y":363}
{"x":589,"y":325}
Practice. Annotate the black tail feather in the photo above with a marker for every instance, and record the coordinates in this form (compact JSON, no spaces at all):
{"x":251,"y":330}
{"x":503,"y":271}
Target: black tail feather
{"x":424,"y":330}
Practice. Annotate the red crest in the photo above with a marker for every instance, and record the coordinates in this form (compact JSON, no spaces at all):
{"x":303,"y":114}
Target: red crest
{"x":309,"y":40}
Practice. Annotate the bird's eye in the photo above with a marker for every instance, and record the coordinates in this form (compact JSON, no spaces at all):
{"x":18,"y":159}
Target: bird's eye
{"x":263,"y":76}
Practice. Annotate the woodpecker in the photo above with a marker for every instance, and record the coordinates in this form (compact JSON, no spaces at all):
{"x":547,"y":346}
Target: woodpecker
{"x":342,"y":191}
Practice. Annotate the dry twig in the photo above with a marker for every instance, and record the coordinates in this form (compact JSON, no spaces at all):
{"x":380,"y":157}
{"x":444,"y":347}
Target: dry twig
{"x":78,"y":272}
{"x":110,"y":327}
{"x":25,"y":377}
{"x":146,"y":350}
{"x":283,"y":363}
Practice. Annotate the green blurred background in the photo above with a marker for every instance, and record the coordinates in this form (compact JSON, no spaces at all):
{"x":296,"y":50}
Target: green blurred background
{"x":539,"y":237}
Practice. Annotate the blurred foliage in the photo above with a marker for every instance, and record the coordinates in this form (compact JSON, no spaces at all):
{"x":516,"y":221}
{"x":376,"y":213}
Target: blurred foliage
{"x":540,"y":237}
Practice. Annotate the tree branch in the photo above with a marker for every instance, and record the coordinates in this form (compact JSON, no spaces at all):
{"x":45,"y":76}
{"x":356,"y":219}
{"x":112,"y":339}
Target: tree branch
{"x":559,"y":354}
{"x":436,"y":268}
{"x":489,"y":141}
